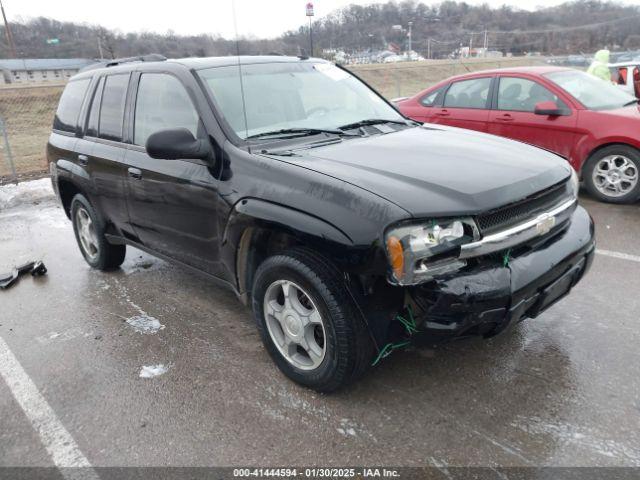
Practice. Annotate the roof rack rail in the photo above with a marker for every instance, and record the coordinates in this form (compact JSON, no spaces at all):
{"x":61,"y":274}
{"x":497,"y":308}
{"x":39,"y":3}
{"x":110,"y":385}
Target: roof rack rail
{"x":152,"y":57}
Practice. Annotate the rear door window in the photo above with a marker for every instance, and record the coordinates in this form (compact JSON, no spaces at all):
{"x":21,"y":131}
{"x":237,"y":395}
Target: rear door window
{"x":114,"y":97}
{"x":66,"y":118}
{"x":468,"y":93}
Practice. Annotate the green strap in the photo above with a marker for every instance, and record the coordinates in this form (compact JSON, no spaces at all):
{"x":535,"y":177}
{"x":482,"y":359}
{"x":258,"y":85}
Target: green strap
{"x":506,"y":257}
{"x":386,"y":351}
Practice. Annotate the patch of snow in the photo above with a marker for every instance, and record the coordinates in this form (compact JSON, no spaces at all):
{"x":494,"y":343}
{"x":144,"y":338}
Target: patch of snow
{"x":143,"y":266}
{"x":346,"y":428}
{"x":33,"y":192}
{"x":142,"y":323}
{"x":145,"y":324}
{"x":151,"y":371}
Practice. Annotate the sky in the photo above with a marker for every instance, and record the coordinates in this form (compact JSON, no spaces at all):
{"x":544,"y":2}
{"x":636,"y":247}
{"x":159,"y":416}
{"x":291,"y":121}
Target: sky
{"x":258,"y":18}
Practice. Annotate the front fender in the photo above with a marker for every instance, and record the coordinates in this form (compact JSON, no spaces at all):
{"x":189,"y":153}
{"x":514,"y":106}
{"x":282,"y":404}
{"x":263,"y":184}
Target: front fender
{"x":252,"y":210}
{"x":250,"y":214}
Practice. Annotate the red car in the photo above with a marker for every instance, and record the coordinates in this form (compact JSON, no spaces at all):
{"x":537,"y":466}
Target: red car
{"x":595,"y":125}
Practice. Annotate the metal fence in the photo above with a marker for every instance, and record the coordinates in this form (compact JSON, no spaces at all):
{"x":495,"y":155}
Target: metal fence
{"x":26,"y":112}
{"x":26,"y":116}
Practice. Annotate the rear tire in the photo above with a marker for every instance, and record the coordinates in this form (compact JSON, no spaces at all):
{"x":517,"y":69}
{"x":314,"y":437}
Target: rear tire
{"x":89,"y":228}
{"x":613,"y":174}
{"x":339,"y":349}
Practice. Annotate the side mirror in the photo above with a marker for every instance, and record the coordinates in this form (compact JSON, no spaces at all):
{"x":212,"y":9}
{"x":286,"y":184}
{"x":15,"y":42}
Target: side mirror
{"x":175,"y":144}
{"x":548,"y":108}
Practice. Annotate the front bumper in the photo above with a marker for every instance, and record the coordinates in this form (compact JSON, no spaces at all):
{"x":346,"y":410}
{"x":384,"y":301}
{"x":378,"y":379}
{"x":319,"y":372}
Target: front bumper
{"x":487,"y":298}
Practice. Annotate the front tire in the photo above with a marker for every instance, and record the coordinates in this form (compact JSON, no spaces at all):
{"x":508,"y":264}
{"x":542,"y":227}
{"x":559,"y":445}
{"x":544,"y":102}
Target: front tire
{"x":308,"y":321}
{"x":613,"y":174}
{"x":89,"y":229}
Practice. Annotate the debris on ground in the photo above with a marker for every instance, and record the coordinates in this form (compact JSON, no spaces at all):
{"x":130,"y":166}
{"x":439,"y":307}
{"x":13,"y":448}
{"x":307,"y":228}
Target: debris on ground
{"x":36,"y":269}
{"x":152,"y":371}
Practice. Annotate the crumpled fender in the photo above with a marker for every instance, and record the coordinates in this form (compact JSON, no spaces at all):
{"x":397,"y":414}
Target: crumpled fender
{"x":252,"y":210}
{"x":254,"y":213}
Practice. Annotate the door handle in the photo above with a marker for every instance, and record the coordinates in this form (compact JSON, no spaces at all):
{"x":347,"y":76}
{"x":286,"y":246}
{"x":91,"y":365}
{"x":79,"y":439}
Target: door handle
{"x":83,"y":160}
{"x":505,"y":118}
{"x":135,"y":173}
{"x":443,"y":113}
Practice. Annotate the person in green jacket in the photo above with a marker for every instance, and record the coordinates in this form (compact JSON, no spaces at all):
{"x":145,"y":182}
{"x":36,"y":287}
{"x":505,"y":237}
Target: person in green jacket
{"x":600,"y":66}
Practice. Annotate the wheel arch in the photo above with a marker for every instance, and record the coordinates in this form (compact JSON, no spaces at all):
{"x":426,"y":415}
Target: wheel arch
{"x":67,"y":189}
{"x":257,"y":229}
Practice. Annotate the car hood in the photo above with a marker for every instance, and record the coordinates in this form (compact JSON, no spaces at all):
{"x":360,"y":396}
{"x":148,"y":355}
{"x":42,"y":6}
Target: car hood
{"x":438,"y":171}
{"x":630,"y":112}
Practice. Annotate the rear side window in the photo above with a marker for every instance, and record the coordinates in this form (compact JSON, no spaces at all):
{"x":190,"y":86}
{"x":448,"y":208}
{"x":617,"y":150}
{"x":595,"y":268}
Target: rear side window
{"x":429,"y":100}
{"x":92,"y":125}
{"x":114,"y":97}
{"x":162,"y":103}
{"x":66,"y":118}
{"x":468,"y":93}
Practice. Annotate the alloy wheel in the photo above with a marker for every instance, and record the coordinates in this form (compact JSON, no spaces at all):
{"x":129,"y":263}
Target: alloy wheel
{"x":615,"y":175}
{"x":87,"y":233}
{"x":295,"y":324}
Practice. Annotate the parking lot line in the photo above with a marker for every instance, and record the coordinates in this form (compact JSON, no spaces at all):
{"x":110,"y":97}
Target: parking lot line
{"x":54,"y":436}
{"x":620,"y":255}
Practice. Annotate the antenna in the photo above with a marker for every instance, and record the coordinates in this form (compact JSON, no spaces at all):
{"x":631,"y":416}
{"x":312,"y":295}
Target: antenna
{"x":244,"y":105}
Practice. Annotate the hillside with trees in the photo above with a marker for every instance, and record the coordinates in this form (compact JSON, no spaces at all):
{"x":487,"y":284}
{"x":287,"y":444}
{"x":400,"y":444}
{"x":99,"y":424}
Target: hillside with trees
{"x":580,"y":26}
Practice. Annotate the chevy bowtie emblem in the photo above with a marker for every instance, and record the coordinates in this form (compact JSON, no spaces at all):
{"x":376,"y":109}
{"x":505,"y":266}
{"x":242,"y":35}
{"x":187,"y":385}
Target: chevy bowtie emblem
{"x":545,"y":223}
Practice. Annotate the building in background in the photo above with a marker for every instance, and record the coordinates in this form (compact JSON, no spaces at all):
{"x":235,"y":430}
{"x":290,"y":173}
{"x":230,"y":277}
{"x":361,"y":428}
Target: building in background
{"x":40,"y":70}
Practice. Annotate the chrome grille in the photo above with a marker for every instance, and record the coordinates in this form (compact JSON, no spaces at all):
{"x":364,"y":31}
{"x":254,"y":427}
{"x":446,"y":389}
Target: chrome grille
{"x":517,"y":212}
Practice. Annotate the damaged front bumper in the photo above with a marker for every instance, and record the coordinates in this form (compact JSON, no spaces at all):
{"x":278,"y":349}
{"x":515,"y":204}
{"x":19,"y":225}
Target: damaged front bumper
{"x":488,"y":297}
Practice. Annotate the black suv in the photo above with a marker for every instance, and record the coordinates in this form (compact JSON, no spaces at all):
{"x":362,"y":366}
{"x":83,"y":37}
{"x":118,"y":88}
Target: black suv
{"x":349,"y":229}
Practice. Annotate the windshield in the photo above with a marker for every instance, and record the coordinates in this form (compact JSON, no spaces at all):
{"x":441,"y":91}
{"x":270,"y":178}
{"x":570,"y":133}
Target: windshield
{"x":281,"y":96}
{"x":592,"y":92}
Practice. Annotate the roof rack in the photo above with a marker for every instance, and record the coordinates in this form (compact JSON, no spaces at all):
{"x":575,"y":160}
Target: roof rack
{"x":152,"y":57}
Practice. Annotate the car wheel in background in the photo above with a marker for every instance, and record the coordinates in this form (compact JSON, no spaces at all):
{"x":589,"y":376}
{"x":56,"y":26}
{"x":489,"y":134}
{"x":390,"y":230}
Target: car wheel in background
{"x":308,"y":321}
{"x":88,"y":227}
{"x":613,"y":174}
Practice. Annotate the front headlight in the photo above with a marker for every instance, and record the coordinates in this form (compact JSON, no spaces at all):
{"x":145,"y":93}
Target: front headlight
{"x":575,"y":183}
{"x":419,"y":252}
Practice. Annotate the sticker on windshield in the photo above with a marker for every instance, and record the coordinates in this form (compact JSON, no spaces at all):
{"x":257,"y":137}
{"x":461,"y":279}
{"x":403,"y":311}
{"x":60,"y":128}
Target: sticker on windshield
{"x":331,"y":71}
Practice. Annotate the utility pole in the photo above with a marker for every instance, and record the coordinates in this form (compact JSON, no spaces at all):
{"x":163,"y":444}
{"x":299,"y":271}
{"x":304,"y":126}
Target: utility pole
{"x":7,"y":32}
{"x":470,"y":44}
{"x":429,"y":48}
{"x":410,"y":25}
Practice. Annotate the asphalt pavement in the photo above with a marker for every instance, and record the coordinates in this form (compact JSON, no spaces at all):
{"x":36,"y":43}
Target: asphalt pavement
{"x":152,"y":365}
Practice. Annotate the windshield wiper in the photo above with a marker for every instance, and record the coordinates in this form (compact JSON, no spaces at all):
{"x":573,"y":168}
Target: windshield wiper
{"x":632,"y":102}
{"x":371,"y":121}
{"x":298,"y":131}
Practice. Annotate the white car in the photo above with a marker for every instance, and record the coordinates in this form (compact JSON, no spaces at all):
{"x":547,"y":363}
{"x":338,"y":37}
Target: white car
{"x":627,"y":76}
